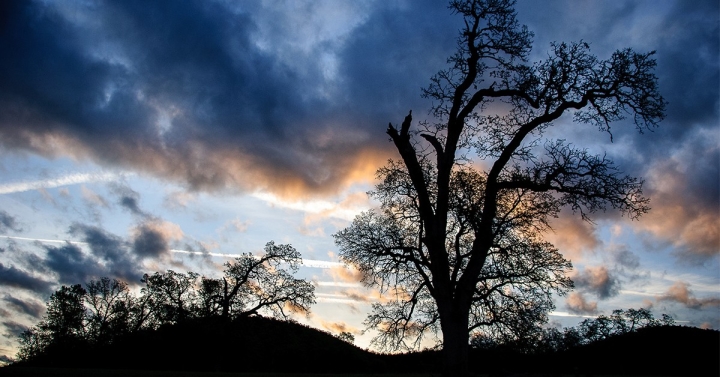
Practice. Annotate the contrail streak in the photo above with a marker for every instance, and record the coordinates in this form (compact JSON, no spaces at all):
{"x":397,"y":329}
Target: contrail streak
{"x":43,"y":240}
{"x":313,"y":263}
{"x":72,"y":179}
{"x":337,"y":284}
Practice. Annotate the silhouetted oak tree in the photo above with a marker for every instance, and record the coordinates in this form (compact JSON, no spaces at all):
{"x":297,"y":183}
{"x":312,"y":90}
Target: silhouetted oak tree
{"x":63,"y":324}
{"x":170,"y":295}
{"x":461,"y":247}
{"x":253,"y":284}
{"x":111,"y":309}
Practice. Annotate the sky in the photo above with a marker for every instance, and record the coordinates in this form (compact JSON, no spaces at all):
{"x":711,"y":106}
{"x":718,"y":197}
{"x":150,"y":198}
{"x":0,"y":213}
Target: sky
{"x":143,"y":136}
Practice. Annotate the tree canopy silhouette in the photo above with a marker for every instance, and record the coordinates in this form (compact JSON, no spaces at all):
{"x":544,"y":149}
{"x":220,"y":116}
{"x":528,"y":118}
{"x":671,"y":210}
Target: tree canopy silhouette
{"x":251,"y":284}
{"x":461,"y":246}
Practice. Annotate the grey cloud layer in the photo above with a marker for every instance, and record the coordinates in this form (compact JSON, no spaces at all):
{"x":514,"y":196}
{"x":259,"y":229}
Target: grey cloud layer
{"x":221,"y":97}
{"x":17,"y":278}
{"x":181,"y":90}
{"x":8,"y":222}
{"x":30,"y":307}
{"x":597,"y":280}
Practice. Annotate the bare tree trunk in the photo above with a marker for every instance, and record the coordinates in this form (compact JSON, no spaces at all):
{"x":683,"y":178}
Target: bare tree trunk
{"x":455,"y":344}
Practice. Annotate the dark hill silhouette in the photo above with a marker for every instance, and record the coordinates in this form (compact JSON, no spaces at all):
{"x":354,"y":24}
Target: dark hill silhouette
{"x":648,"y":351}
{"x":252,"y":344}
{"x":661,"y":350}
{"x":257,"y":344}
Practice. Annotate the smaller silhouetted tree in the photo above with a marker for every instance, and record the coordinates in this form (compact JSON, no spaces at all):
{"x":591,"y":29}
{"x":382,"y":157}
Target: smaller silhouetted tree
{"x":171,"y":295}
{"x":346,"y":336}
{"x":32,"y":343}
{"x":619,"y":322}
{"x":66,"y":313}
{"x":62,"y":326}
{"x":110,"y":304}
{"x":252,"y":284}
{"x":591,"y":330}
{"x":209,"y":297}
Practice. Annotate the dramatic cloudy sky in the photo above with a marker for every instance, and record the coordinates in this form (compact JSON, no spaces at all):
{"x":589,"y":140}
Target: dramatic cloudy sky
{"x":140,"y":136}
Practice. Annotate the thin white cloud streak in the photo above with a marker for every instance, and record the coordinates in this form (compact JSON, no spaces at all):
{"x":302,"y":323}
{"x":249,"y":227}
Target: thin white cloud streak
{"x":314,"y":206}
{"x":43,"y":240}
{"x":566,"y":314}
{"x":640,"y":293}
{"x":222,"y":255}
{"x":699,"y":283}
{"x":337,"y":284}
{"x":312,"y":263}
{"x":318,"y":207}
{"x":68,"y":180}
{"x":321,"y":263}
{"x":336,"y":298}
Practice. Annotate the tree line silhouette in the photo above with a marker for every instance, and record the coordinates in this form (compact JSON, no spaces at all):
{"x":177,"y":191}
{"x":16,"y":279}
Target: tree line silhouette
{"x":104,"y":310}
{"x":255,"y":343}
{"x":589,"y":331}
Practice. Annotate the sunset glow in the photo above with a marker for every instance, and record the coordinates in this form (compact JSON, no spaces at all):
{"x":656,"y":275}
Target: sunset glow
{"x":144,"y":136}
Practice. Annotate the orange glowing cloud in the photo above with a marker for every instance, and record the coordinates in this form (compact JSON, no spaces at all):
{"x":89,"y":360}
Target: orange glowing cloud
{"x":204,"y":166}
{"x":338,"y":327}
{"x":92,"y":197}
{"x":576,"y":303}
{"x":572,"y":236}
{"x":683,"y":215}
{"x":345,"y":274}
{"x":681,"y":293}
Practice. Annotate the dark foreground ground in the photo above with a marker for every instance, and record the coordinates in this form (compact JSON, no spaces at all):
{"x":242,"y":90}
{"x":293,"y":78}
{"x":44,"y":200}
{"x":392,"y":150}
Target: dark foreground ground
{"x":261,"y":347}
{"x":61,"y":372}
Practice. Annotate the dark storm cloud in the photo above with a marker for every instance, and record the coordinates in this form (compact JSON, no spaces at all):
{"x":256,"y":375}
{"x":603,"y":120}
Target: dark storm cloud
{"x":14,"y":277}
{"x":176,"y":89}
{"x":392,"y":56}
{"x":112,"y":251}
{"x":109,"y":257}
{"x":688,"y":64}
{"x":50,"y":85}
{"x":150,"y":242}
{"x":13,"y":329}
{"x":128,"y":199}
{"x":8,"y":222}
{"x":625,"y":258}
{"x":190,"y":91}
{"x":688,"y":55}
{"x":597,"y":280}
{"x":72,"y":265}
{"x":30,"y":307}
{"x":131,"y":204}
{"x":685,"y":36}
